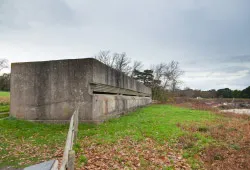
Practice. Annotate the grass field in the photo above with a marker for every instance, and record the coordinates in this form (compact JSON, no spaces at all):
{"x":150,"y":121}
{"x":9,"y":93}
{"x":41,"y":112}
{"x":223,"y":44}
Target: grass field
{"x":4,"y":108}
{"x":23,"y":143}
{"x":154,"y":137}
{"x":3,"y":93}
{"x":4,"y":104}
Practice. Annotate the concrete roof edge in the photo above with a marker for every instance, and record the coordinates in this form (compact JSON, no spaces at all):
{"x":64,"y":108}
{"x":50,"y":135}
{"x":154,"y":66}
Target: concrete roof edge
{"x":45,"y":61}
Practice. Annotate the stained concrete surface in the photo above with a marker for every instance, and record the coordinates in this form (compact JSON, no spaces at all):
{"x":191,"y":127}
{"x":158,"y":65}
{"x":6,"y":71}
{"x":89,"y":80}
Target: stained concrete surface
{"x":51,"y":90}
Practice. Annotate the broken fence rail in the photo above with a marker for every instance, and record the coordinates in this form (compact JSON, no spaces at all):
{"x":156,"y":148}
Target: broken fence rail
{"x":69,"y":153}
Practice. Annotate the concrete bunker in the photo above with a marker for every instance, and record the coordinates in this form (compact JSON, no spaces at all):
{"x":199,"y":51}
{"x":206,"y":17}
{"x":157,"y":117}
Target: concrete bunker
{"x":51,"y":90}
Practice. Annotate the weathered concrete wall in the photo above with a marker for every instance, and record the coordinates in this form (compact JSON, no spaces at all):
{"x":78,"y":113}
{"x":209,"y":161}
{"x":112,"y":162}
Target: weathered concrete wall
{"x":105,"y":106}
{"x":50,"y":90}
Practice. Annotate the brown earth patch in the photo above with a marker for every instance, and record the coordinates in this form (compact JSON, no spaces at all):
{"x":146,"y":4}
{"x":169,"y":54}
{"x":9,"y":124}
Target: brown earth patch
{"x":129,"y":154}
{"x":232,"y":147}
{"x":4,"y":99}
{"x":224,"y":158}
{"x":30,"y":154}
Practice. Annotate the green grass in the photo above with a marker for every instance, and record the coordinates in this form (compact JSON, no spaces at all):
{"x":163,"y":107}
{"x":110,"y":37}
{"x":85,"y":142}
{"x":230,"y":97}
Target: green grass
{"x":4,"y":115}
{"x":158,"y":122}
{"x":18,"y":135}
{"x":4,"y":108}
{"x":4,"y":93}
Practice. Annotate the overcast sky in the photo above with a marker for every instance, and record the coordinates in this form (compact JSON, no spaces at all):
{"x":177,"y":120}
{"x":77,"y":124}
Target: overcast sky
{"x":210,"y":38}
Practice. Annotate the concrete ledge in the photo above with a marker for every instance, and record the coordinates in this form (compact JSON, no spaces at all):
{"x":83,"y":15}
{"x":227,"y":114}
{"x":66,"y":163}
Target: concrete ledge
{"x":64,"y":121}
{"x":87,"y":121}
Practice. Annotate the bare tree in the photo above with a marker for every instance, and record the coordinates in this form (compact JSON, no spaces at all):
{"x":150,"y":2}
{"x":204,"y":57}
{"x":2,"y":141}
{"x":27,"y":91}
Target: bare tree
{"x":106,"y":58}
{"x":175,"y":85}
{"x":118,"y":61}
{"x":165,"y":75}
{"x":159,"y":70}
{"x":122,"y":62}
{"x":169,"y":74}
{"x":137,"y":65}
{"x":175,"y":73}
{"x":3,"y":64}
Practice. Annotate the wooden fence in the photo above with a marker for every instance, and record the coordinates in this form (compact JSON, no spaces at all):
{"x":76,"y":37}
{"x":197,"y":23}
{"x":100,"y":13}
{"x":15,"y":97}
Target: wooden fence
{"x":69,"y":153}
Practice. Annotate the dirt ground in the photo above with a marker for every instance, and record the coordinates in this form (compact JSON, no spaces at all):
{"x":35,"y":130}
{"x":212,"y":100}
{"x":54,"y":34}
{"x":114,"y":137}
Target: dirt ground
{"x":231,"y":132}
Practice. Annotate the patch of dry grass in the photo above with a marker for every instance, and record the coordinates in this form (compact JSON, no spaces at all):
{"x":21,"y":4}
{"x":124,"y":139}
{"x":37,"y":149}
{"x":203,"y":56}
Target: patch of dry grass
{"x":5,"y":99}
{"x":230,"y":148}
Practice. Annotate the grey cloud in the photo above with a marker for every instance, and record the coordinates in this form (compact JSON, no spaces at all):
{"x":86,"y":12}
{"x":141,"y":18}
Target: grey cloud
{"x":16,"y":14}
{"x":206,"y":37}
{"x":238,"y":59}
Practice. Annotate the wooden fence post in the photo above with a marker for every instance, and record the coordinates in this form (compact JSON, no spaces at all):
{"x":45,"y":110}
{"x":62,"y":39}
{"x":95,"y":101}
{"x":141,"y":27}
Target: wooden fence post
{"x":55,"y":165}
{"x":69,"y":153}
{"x":76,"y":117}
{"x":71,"y":160}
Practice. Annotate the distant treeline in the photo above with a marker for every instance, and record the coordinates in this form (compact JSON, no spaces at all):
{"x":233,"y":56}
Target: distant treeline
{"x":5,"y":82}
{"x":221,"y":93}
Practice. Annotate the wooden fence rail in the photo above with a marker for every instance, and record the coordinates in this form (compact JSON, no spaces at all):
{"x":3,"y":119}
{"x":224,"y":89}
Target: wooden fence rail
{"x":69,"y":153}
